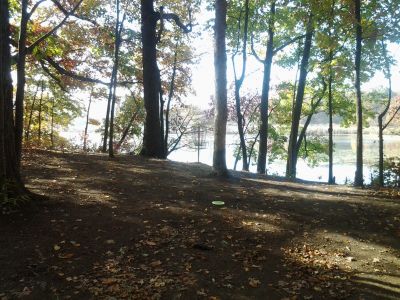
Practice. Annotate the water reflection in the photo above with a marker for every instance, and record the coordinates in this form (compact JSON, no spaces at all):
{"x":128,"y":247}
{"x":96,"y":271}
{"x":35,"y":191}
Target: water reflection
{"x":344,"y":158}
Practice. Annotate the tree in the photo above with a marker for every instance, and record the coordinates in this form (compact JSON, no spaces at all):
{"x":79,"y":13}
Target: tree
{"x":297,"y":106}
{"x":153,"y":144}
{"x":11,"y":185}
{"x":21,"y":65}
{"x":221,"y":113}
{"x":358,"y":179}
{"x":381,"y":125}
{"x":241,"y":42}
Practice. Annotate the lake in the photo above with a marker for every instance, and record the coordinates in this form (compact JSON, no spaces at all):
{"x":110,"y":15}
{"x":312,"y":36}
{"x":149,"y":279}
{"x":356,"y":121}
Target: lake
{"x":344,"y":158}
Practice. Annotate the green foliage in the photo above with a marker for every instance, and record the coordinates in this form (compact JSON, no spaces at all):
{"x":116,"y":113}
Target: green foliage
{"x":391,"y":173}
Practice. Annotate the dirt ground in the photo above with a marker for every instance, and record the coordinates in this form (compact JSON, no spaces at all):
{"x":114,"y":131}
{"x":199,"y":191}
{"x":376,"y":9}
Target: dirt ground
{"x":132,"y":228}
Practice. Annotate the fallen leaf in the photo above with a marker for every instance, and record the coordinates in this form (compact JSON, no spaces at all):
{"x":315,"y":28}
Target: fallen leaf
{"x":253,"y":282}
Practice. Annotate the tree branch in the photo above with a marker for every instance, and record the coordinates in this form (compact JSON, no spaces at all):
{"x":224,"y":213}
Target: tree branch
{"x":287,"y":43}
{"x":65,"y":72}
{"x":45,"y":36}
{"x":174,"y":17}
{"x":34,"y":8}
{"x":253,"y":51}
{"x":65,"y":12}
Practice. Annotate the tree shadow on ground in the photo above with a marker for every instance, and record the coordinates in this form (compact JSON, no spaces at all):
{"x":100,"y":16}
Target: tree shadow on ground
{"x":139,"y":229}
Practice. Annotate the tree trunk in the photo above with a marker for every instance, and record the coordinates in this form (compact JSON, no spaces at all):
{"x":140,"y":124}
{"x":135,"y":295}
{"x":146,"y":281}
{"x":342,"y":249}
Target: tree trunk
{"x":292,"y":153}
{"x":382,"y":126}
{"x":85,"y":136}
{"x":330,"y":130}
{"x":20,"y":92}
{"x":107,"y":120}
{"x":331,"y":179}
{"x":126,"y":130}
{"x":118,"y":31}
{"x":52,"y":123}
{"x":40,"y":119}
{"x":28,"y":126}
{"x":170,"y":95}
{"x":314,"y":106}
{"x":221,"y":111}
{"x":238,"y":86}
{"x":263,"y":145}
{"x":359,"y":177}
{"x":10,"y":180}
{"x":152,"y":139}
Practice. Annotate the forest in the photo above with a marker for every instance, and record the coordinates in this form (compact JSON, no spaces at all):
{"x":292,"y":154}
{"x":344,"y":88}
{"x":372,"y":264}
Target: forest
{"x":106,"y":214}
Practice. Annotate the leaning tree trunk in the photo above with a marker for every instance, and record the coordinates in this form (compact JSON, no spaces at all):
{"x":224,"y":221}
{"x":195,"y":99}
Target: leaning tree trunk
{"x":85,"y":136}
{"x":118,"y":31}
{"x":170,"y":96}
{"x":263,"y":145}
{"x":152,"y":139}
{"x":381,"y":116}
{"x":221,"y":111}
{"x":29,"y":124}
{"x":359,"y":177}
{"x":238,"y":86}
{"x":292,"y":153}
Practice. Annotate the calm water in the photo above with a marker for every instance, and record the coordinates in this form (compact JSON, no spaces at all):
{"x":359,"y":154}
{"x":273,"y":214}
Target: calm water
{"x":344,"y":158}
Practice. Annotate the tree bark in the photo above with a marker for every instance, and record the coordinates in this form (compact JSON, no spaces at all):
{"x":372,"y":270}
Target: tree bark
{"x":85,"y":136}
{"x":331,"y":179}
{"x":20,"y":92}
{"x":170,"y":96}
{"x":126,"y":130}
{"x":292,"y":154}
{"x":330,"y":130}
{"x":52,"y":123}
{"x":40,"y":119}
{"x":359,"y":177}
{"x":263,"y":145}
{"x":381,"y":116}
{"x":28,"y":126}
{"x":152,"y":139}
{"x":221,"y":111}
{"x":10,"y":180}
{"x":118,"y":31}
{"x":238,"y":85}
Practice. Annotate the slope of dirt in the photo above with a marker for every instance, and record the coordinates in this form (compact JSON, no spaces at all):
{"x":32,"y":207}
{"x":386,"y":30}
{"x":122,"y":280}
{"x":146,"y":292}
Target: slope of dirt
{"x":132,"y":228}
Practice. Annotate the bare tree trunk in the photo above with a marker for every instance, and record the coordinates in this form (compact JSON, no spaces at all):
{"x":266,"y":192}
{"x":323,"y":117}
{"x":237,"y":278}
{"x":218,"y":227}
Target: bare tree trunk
{"x":239,"y":83}
{"x":10,"y":180}
{"x":331,"y":179}
{"x":107,"y":120}
{"x":126,"y":130}
{"x":292,"y":154}
{"x":20,"y":92}
{"x":314,"y":106}
{"x":85,"y":136}
{"x":330,"y":130}
{"x":152,"y":139}
{"x":221,"y":111}
{"x":118,"y":31}
{"x":52,"y":123}
{"x":28,"y":126}
{"x":40,"y":119}
{"x":359,"y":177}
{"x":382,"y":126}
{"x":262,"y":150}
{"x":170,"y":95}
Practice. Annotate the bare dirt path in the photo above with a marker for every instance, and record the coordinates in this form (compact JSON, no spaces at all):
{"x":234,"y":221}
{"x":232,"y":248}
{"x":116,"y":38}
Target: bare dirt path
{"x":131,"y":228}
